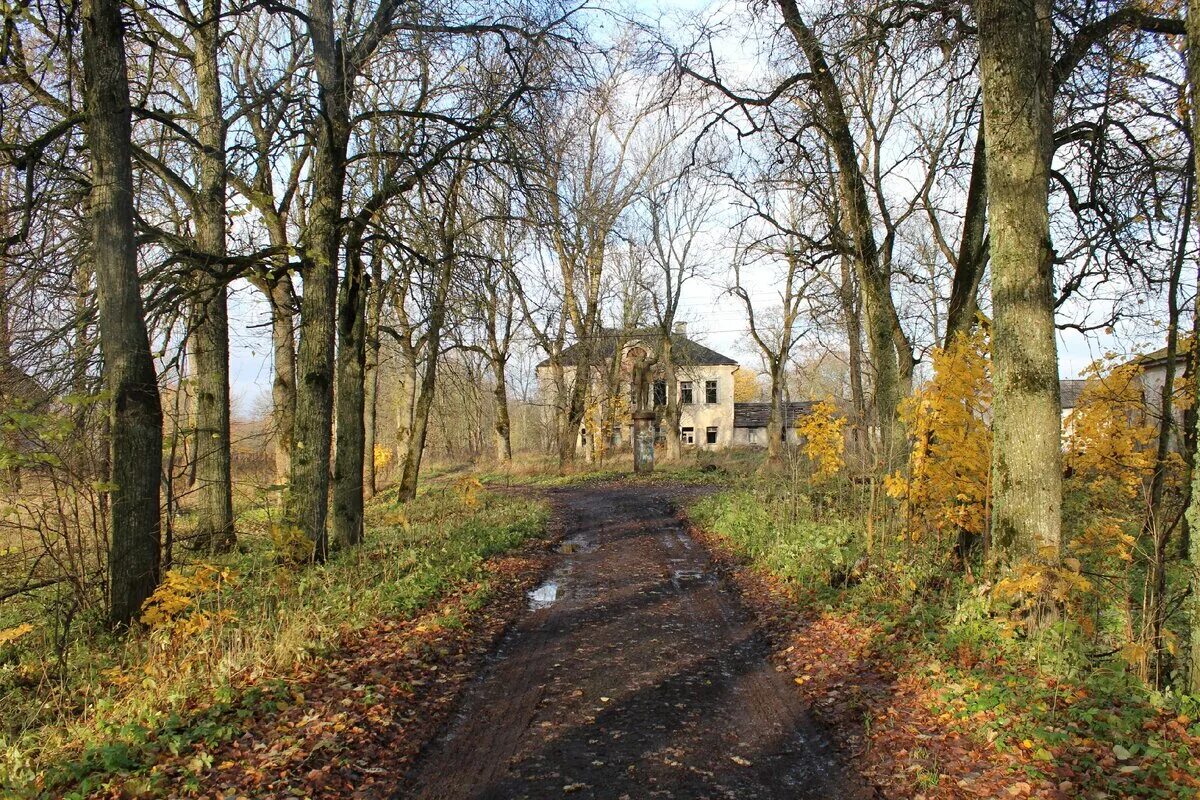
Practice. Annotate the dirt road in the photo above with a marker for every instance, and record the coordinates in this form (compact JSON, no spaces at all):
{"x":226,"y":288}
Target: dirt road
{"x":635,"y":674}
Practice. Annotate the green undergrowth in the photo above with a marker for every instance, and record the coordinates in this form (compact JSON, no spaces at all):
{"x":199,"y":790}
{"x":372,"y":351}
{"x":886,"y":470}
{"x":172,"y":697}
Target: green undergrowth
{"x":113,"y":705}
{"x":1046,"y":699}
{"x":721,"y":469}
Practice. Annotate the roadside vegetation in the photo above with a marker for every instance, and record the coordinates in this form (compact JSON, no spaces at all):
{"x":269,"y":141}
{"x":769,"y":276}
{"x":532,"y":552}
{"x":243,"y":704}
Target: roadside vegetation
{"x":222,"y":636}
{"x":697,"y":467}
{"x":1031,"y":681}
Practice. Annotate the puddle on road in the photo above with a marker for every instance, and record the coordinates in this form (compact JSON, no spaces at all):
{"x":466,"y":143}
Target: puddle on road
{"x":682,"y":576}
{"x":543,"y":596}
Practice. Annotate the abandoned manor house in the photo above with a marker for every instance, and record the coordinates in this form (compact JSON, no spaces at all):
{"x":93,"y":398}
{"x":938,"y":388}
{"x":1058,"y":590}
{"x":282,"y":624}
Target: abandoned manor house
{"x":710,"y":417}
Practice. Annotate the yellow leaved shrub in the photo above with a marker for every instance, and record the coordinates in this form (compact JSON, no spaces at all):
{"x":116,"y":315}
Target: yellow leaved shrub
{"x":824,"y":441}
{"x":947,"y":484}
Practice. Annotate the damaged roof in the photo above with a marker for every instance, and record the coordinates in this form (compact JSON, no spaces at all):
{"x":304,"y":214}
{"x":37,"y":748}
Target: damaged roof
{"x":684,"y":351}
{"x":1069,"y":390}
{"x":754,"y":415}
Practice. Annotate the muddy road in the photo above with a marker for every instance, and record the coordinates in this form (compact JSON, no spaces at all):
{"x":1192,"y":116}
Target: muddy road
{"x":635,"y":674}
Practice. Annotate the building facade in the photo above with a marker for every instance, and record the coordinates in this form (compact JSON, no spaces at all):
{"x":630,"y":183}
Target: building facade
{"x":710,"y":419}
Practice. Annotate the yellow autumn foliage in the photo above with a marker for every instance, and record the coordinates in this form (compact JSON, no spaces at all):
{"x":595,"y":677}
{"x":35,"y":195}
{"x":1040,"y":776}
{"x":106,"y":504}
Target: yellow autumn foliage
{"x":469,"y":489}
{"x":745,"y":386}
{"x":1035,"y":586}
{"x":292,"y":544}
{"x":947,"y":484}
{"x":176,"y":603}
{"x":1108,"y":435}
{"x":824,"y":442}
{"x":1109,"y":454}
{"x":382,"y":457}
{"x":10,"y":635}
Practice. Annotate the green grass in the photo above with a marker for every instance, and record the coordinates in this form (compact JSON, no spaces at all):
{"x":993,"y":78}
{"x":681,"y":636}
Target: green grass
{"x":696,"y":467}
{"x":112,"y":703}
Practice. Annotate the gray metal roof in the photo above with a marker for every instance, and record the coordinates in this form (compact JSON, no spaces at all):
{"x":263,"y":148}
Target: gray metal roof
{"x":754,"y":415}
{"x":684,"y":351}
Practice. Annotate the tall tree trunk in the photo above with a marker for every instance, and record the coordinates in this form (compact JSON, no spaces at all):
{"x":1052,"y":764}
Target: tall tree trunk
{"x":853,"y":322}
{"x":371,"y":377}
{"x":10,"y":476}
{"x":135,"y":410}
{"x":503,"y":427}
{"x":1157,"y":528}
{"x":1193,"y":513}
{"x":1026,"y":453}
{"x":777,"y":417}
{"x":308,"y":496}
{"x":209,"y":335}
{"x":674,"y":412}
{"x":571,"y":415}
{"x":406,"y":400}
{"x":276,"y":287}
{"x":411,"y":468}
{"x":351,"y":363}
{"x":283,"y":383}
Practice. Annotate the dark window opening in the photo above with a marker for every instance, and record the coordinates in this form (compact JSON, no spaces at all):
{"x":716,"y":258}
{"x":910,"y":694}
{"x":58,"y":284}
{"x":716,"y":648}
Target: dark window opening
{"x":710,"y":435}
{"x":687,"y":435}
{"x":660,"y":393}
{"x":685,"y":392}
{"x":710,"y":391}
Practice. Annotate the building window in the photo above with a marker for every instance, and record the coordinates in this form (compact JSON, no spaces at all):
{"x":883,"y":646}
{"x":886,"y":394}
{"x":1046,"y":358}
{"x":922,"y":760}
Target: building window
{"x":710,"y":435}
{"x":710,"y":391}
{"x":660,"y":393}
{"x":687,"y":435}
{"x":685,"y":392}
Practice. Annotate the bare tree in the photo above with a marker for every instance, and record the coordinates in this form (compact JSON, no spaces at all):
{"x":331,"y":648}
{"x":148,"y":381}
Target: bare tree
{"x":675,"y":209}
{"x":775,"y":330}
{"x":592,"y":163}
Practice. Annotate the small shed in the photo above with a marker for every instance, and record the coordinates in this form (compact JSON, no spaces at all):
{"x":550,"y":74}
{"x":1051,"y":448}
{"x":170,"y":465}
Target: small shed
{"x":750,"y":422}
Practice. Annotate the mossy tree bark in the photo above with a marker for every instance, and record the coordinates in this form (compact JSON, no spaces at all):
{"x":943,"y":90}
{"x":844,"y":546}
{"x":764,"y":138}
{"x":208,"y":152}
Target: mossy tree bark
{"x":1193,"y":512}
{"x":371,"y":373}
{"x":308,"y":492}
{"x":674,"y":413}
{"x":209,"y":329}
{"x":852,"y":318}
{"x":351,"y":397}
{"x":1026,"y":454}
{"x":283,"y":383}
{"x":135,"y":410}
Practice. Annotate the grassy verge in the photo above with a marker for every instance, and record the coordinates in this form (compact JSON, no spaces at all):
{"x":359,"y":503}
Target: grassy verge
{"x":968,"y":695}
{"x":697,"y":467}
{"x":246,"y":622}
